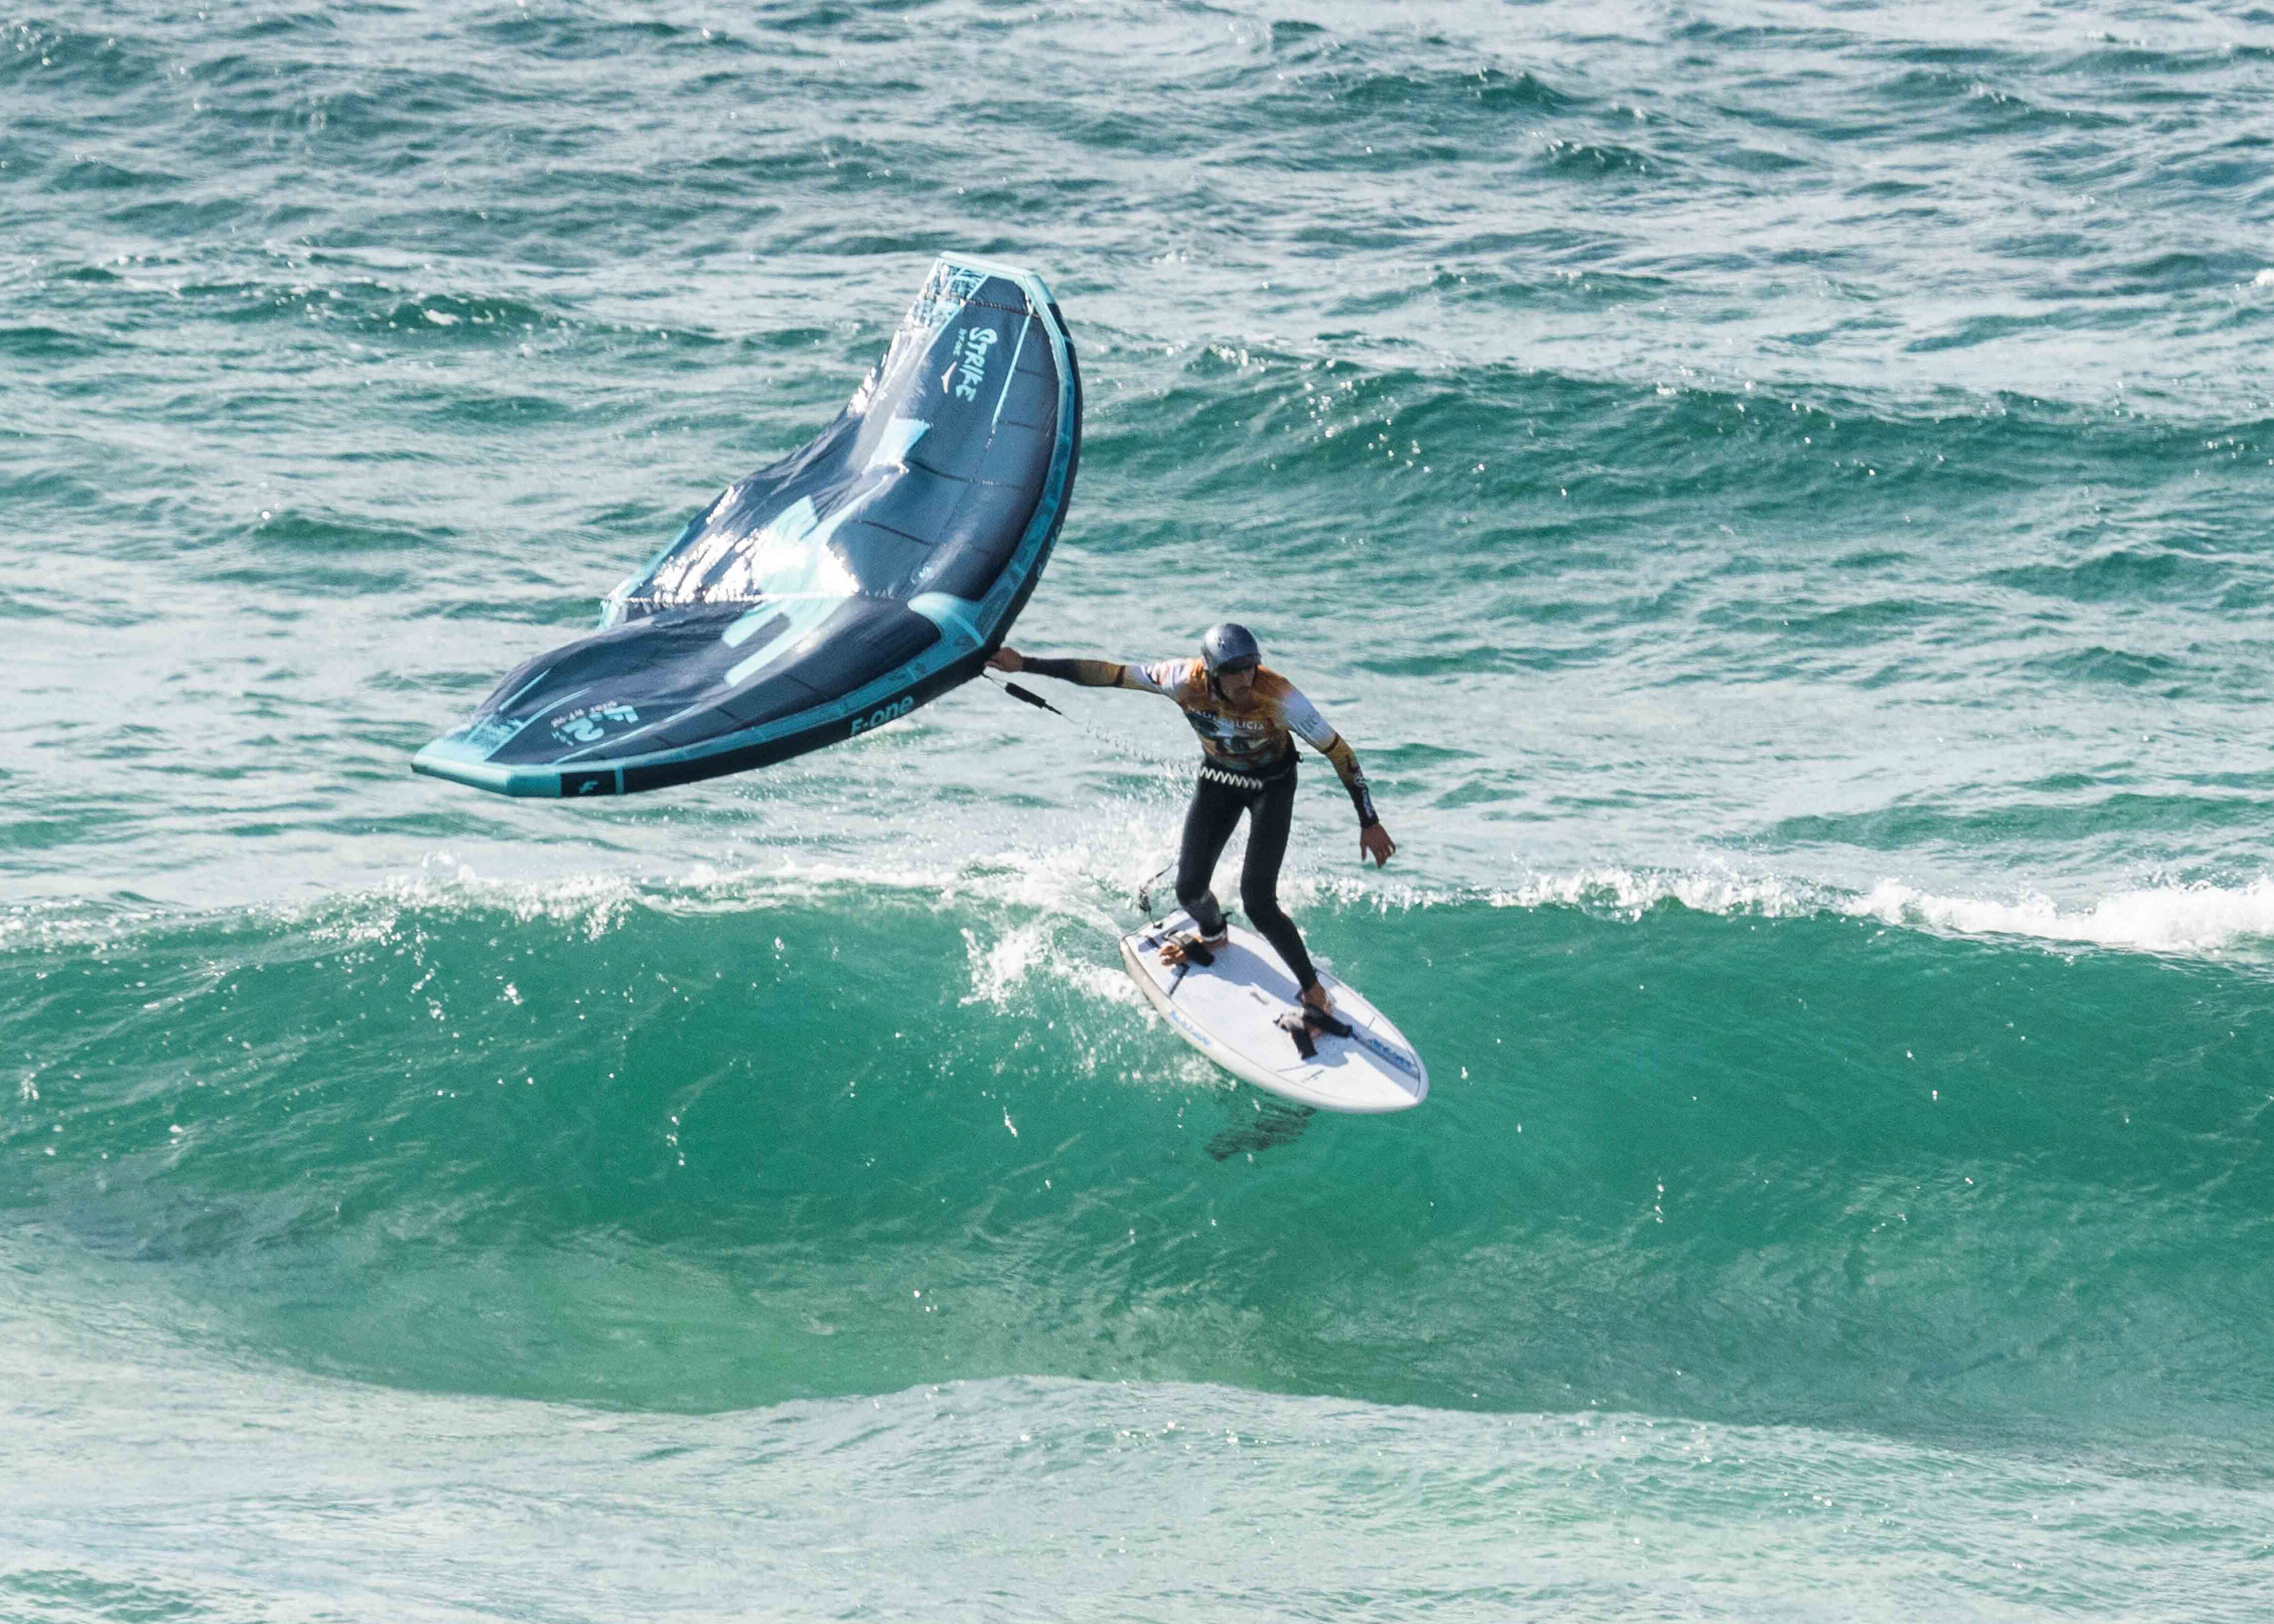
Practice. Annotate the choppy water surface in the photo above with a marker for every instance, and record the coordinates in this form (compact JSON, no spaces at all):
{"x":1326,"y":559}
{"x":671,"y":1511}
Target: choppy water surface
{"x":1775,"y":495}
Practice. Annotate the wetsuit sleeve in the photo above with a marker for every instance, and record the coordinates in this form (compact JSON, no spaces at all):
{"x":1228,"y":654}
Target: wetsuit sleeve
{"x":1082,"y":673}
{"x":1303,"y":720}
{"x":1166,"y":678}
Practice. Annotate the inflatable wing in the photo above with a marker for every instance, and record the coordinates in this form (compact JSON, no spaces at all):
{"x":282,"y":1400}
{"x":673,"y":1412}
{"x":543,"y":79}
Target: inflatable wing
{"x":830,"y":593}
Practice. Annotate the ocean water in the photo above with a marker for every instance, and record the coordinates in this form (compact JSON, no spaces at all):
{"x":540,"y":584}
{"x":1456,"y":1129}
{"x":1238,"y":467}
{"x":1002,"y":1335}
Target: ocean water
{"x":1777,"y":496}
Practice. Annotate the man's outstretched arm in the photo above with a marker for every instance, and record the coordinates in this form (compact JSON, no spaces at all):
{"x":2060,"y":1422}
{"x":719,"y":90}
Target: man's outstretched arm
{"x":1083,"y":672}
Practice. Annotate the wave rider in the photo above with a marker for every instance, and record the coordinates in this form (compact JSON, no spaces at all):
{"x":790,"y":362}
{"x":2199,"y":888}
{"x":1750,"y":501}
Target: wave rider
{"x":1248,"y":717}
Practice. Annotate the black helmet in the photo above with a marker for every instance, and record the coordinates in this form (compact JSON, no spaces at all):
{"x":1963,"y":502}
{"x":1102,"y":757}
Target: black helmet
{"x":1229,"y":647}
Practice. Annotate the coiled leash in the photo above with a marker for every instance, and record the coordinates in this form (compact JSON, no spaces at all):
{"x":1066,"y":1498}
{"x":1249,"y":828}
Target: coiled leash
{"x":1232,"y":780}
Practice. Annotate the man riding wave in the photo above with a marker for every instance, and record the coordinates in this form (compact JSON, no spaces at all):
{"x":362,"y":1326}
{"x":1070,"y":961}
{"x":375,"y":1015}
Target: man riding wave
{"x":1248,"y":717}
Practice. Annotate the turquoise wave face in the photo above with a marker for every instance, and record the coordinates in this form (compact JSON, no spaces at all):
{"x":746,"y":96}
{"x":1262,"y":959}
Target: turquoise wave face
{"x":643,"y":1150}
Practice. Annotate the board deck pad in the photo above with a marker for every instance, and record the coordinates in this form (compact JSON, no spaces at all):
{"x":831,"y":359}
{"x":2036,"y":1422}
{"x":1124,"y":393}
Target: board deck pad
{"x":1230,"y":1011}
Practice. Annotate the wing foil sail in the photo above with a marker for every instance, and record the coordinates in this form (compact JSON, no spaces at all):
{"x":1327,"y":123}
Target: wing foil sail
{"x":829,"y":593}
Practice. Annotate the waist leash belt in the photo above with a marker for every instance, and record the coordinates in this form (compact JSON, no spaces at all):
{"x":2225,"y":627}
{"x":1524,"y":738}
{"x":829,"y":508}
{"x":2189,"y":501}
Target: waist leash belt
{"x":1299,"y":1027}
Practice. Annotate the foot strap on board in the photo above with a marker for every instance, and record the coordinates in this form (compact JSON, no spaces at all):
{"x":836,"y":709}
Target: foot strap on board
{"x":1299,"y":1025}
{"x":1198,"y":950}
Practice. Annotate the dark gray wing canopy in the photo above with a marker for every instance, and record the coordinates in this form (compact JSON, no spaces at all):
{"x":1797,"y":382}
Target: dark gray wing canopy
{"x":830,"y":593}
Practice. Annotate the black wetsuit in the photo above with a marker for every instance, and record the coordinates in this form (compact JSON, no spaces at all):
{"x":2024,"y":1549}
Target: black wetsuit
{"x":1218,"y":799}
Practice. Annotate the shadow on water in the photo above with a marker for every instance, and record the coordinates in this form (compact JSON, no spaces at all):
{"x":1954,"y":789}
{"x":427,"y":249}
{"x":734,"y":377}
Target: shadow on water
{"x":1274,"y":1122}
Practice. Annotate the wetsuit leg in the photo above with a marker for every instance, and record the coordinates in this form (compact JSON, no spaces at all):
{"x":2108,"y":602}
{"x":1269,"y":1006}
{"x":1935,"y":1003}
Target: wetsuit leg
{"x":1268,"y":826}
{"x":1208,"y":823}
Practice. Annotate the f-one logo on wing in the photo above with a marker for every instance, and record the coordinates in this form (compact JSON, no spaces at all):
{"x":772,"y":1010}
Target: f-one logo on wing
{"x":970,"y":356}
{"x":883,"y":714}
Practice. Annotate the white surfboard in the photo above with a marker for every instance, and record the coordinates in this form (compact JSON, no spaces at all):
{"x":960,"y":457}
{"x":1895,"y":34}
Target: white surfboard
{"x":1230,"y":1011}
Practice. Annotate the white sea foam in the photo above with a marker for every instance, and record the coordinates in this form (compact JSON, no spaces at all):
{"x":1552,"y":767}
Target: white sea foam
{"x":1040,"y":909}
{"x":2167,"y":919}
{"x":593,"y":902}
{"x":2195,"y":919}
{"x":1633,"y":893}
{"x":999,"y":966}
